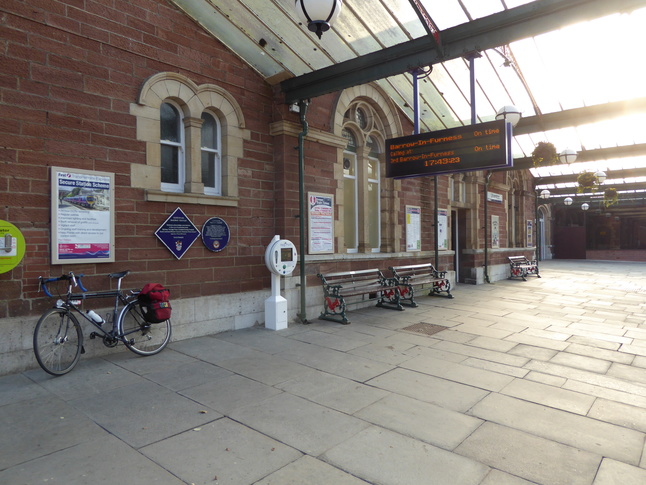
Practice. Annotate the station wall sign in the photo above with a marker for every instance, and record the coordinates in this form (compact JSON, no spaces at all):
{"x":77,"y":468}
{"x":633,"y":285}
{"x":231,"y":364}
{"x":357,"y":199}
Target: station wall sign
{"x":474,"y":147}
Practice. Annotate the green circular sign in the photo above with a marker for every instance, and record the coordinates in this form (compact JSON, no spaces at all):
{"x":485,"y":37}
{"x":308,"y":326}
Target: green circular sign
{"x":12,"y":246}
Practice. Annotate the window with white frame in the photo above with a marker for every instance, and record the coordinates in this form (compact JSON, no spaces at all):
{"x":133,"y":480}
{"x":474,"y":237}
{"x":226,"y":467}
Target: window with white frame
{"x":193,"y":141}
{"x":350,"y":210}
{"x":172,"y":148}
{"x":211,"y":161}
{"x":373,"y":211}
{"x":362,"y":178}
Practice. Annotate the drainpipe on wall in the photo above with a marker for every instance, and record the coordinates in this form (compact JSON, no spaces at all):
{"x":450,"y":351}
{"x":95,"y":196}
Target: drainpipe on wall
{"x":486,"y":228}
{"x":302,"y":105}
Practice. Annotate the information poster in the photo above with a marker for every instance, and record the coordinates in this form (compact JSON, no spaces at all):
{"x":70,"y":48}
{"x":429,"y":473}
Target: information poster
{"x":321,"y":223}
{"x":495,"y":232}
{"x":215,"y":234}
{"x":530,"y":234}
{"x":413,"y":228}
{"x":82,"y":209}
{"x":177,"y":233}
{"x":443,"y":229}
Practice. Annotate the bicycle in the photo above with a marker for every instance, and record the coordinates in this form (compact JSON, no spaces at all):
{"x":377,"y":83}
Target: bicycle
{"x":58,"y":337}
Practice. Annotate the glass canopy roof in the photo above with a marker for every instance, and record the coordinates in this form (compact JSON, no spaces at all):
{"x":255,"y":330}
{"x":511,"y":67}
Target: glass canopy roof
{"x":565,"y":69}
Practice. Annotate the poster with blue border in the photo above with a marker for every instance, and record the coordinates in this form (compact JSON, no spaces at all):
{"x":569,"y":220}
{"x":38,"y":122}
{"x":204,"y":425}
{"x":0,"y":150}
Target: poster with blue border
{"x":82,"y":212}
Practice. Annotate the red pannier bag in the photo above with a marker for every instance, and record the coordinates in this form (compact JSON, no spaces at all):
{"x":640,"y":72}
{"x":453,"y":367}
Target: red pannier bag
{"x":154,"y":302}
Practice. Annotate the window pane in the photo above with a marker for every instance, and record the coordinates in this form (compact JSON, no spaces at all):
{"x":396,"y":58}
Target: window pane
{"x":373,"y":215}
{"x":350,"y":213}
{"x":209,"y":132}
{"x":208,"y":169}
{"x":169,"y":123}
{"x":349,"y":164}
{"x":169,"y":164}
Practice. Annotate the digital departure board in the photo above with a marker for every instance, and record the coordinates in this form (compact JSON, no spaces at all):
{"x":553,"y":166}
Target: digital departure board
{"x":474,"y":147}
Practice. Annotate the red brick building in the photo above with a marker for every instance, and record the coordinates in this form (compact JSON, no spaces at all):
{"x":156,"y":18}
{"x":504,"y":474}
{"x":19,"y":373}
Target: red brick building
{"x":132,"y":88}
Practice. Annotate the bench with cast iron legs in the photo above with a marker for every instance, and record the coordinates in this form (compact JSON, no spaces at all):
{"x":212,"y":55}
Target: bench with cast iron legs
{"x":368,"y":282}
{"x":407,"y":277}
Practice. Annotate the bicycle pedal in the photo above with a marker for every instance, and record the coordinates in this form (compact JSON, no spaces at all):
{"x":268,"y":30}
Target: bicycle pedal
{"x":92,"y":335}
{"x":82,"y":349}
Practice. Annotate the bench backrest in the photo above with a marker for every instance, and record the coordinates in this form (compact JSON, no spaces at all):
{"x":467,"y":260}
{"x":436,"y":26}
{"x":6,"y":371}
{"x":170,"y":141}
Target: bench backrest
{"x":518,"y":260}
{"x":353,"y":278}
{"x":412,"y":269}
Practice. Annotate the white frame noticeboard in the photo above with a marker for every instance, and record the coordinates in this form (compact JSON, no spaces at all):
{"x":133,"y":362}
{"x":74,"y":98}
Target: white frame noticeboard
{"x":321,"y":223}
{"x":82,"y":214}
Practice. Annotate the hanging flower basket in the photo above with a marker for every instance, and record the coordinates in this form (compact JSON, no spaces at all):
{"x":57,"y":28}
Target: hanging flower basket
{"x":588,"y":182}
{"x":610,"y":197}
{"x":545,"y":155}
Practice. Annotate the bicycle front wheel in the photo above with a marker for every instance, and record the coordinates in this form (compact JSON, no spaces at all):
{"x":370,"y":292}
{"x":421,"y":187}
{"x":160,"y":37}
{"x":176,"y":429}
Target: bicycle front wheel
{"x":58,"y":340}
{"x":141,"y":337}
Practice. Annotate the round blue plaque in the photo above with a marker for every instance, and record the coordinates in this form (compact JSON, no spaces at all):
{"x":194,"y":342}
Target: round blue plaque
{"x":215,"y":234}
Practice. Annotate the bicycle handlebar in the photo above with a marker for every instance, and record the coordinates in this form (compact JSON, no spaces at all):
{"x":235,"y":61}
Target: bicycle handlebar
{"x":74,"y":279}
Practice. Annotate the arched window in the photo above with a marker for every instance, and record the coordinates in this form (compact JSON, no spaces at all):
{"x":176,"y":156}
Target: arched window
{"x":368,"y":202}
{"x":350,"y":206}
{"x":172,"y":148}
{"x":193,"y":138}
{"x":211,"y":162}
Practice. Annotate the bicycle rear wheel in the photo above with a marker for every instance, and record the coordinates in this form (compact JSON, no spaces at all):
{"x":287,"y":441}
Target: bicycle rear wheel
{"x":58,"y":341}
{"x":141,"y":337}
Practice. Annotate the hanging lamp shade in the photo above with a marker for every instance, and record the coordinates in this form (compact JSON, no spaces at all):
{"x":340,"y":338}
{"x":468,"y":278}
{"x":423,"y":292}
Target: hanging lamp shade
{"x":585,"y":206}
{"x":509,"y":113}
{"x":568,"y":156}
{"x":567,"y":201}
{"x":601,"y":176}
{"x":318,"y":14}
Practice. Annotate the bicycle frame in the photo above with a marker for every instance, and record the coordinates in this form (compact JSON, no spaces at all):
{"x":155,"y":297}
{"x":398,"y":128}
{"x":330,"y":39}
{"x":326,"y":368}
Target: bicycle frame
{"x":73,"y":301}
{"x":58,"y":335}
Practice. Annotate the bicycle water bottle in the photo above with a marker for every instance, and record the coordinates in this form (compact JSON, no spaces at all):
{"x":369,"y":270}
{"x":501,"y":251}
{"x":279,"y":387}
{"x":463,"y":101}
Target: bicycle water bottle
{"x":95,"y":317}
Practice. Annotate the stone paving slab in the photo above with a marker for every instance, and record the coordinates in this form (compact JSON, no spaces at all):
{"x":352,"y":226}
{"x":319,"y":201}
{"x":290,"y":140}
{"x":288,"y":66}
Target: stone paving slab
{"x":450,"y":395}
{"x":143,"y":413}
{"x":384,"y":457}
{"x":104,"y":460}
{"x":310,"y":471}
{"x":335,"y":392}
{"x":577,"y":431}
{"x":38,"y":427}
{"x":614,"y":472}
{"x":427,"y":422}
{"x":551,"y":396}
{"x":531,"y":457}
{"x":301,"y":424}
{"x":221,"y":452}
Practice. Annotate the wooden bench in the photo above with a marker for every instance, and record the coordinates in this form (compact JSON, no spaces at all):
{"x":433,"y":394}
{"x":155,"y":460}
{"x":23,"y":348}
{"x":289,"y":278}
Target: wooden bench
{"x":520,"y":267}
{"x":407,"y":277}
{"x":339,"y":286}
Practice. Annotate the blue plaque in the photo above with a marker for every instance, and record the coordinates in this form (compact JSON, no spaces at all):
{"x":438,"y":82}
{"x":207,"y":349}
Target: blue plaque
{"x":178,"y":233}
{"x":215,"y":234}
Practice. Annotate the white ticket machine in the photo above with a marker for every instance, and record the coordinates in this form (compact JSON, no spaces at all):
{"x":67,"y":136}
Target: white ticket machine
{"x":280,"y":258}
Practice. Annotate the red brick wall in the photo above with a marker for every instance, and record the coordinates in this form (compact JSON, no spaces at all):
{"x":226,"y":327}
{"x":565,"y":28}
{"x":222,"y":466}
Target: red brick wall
{"x":70,"y":71}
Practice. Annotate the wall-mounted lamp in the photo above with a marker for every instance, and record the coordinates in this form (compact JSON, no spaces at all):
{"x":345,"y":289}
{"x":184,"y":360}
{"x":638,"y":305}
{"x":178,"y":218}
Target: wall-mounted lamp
{"x":545,"y":194}
{"x":568,"y":156}
{"x":318,"y":14}
{"x":510,"y":114}
{"x":567,"y":201}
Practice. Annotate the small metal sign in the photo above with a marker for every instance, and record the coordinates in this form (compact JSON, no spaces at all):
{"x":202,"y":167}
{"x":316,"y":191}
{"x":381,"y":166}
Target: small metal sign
{"x":215,"y":234}
{"x":178,"y":233}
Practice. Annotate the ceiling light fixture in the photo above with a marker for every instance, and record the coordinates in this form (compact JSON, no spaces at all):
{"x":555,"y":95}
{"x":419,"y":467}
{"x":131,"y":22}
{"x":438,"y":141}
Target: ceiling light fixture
{"x":318,"y":14}
{"x":509,"y":113}
{"x":568,"y":156}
